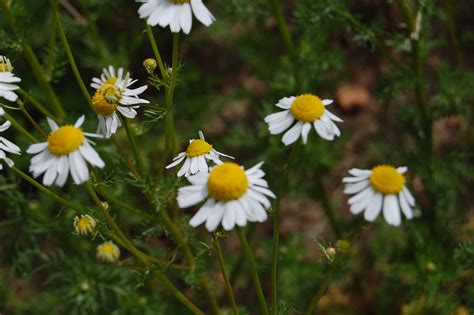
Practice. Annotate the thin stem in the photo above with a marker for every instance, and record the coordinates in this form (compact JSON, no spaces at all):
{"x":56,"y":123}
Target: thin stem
{"x":72,"y":61}
{"x":419,"y":77}
{"x":253,"y":271}
{"x":228,"y":286}
{"x":29,"y":98}
{"x":276,"y":225}
{"x":170,"y":137}
{"x":156,"y":52}
{"x":20,"y":128}
{"x":21,"y":105}
{"x":133,"y":144}
{"x":129,"y":163}
{"x":326,"y":204}
{"x":193,"y":308}
{"x":104,"y":193}
{"x":453,"y":33}
{"x":42,"y":188}
{"x":287,"y":39}
{"x":34,"y":63}
{"x":322,"y":288}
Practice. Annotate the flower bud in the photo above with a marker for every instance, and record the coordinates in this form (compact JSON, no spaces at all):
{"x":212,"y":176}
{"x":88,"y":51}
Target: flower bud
{"x":150,"y":65}
{"x":84,"y":225}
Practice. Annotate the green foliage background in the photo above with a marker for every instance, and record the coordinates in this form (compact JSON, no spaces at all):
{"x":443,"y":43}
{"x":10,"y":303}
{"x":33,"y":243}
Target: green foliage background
{"x":231,"y":75}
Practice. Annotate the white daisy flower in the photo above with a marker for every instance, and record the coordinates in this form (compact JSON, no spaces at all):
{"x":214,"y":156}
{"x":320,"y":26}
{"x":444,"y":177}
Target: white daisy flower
{"x":383,"y":187}
{"x":195,"y":157}
{"x":6,"y":78}
{"x":234,"y":196}
{"x":306,"y":110}
{"x":6,"y":145}
{"x":178,"y":14}
{"x":66,"y":151}
{"x":114,"y":95}
{"x":108,"y":252}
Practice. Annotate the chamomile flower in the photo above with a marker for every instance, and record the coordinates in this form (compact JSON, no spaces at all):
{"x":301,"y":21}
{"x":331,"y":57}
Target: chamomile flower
{"x":108,"y":252}
{"x":66,"y":150}
{"x":178,"y":14}
{"x":84,"y":224}
{"x":307,"y":110}
{"x":380,"y":189}
{"x":6,"y":145}
{"x":6,"y":78}
{"x":195,"y":157}
{"x":114,"y":95}
{"x":234,"y":196}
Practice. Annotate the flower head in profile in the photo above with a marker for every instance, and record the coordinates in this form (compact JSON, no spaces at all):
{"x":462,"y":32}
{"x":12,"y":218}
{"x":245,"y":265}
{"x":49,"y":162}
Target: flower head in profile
{"x":306,"y":110}
{"x":66,"y":151}
{"x":380,"y":189}
{"x":6,"y":80}
{"x":113,"y":95}
{"x":196,"y":156}
{"x":108,"y":252}
{"x":178,"y":14}
{"x":234,"y":196}
{"x":6,"y":145}
{"x":84,"y":224}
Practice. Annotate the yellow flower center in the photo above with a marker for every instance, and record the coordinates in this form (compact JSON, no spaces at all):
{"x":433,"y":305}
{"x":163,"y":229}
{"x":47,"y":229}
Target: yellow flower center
{"x":111,"y":80}
{"x":227,"y":182}
{"x":65,"y":140}
{"x":5,"y":67}
{"x":387,"y":180}
{"x":307,"y":108}
{"x":85,"y":223}
{"x":198,"y":147}
{"x":179,"y":1}
{"x":105,"y":100}
{"x":107,"y":249}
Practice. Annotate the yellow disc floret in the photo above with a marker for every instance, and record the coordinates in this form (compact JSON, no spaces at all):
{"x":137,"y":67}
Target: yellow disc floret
{"x":307,"y":108}
{"x":108,"y":251}
{"x":105,"y":100}
{"x":179,"y":1}
{"x":198,"y":147}
{"x":84,"y":224}
{"x":65,"y":140}
{"x":387,"y":180}
{"x":5,"y":64}
{"x":227,"y":182}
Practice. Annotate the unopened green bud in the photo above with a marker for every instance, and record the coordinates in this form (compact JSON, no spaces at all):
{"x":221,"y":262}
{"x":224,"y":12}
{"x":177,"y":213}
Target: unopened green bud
{"x":343,"y":246}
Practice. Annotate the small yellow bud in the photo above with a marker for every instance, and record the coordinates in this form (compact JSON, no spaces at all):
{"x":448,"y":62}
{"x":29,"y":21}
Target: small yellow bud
{"x":150,"y":65}
{"x":431,"y":266}
{"x":170,"y":71}
{"x":343,"y":246}
{"x":108,"y":252}
{"x":84,"y":225}
{"x":84,"y":286}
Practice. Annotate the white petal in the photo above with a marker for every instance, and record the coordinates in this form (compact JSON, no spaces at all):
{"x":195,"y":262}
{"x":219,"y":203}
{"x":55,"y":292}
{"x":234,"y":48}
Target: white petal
{"x":374,"y":207}
{"x":52,"y":124}
{"x":391,"y":210}
{"x":327,"y":102}
{"x":292,"y":134}
{"x":304,"y":132}
{"x":37,"y":147}
{"x":79,"y":122}
{"x":228,"y":221}
{"x":406,"y":209}
{"x":202,"y":214}
{"x":409,"y":197}
{"x":201,"y":12}
{"x":355,"y":188}
{"x":213,"y":220}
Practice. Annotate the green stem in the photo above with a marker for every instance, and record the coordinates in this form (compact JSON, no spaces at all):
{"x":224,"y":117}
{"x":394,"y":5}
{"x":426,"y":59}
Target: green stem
{"x":104,"y":193}
{"x":20,"y":128}
{"x":34,"y":63}
{"x":133,"y":144}
{"x":419,"y":78}
{"x":72,"y":61}
{"x":230,"y":293}
{"x":276,"y":225}
{"x":253,"y":271}
{"x":322,"y":288}
{"x":21,"y":105}
{"x":170,"y":137}
{"x":182,"y":242}
{"x":45,"y":190}
{"x":165,"y":281}
{"x":156,"y":52}
{"x":29,"y":98}
{"x":287,"y":39}
{"x":326,"y":204}
{"x":122,"y":152}
{"x":453,"y":33}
